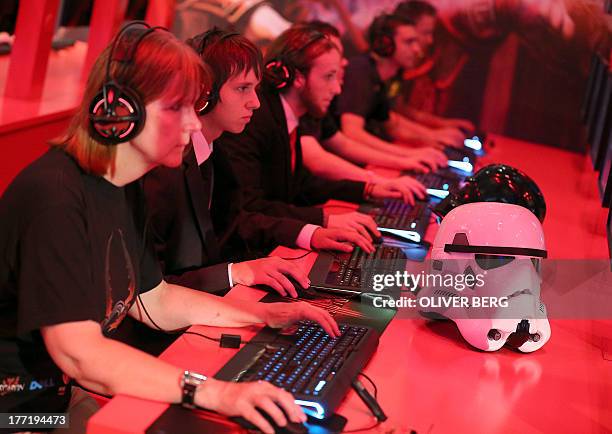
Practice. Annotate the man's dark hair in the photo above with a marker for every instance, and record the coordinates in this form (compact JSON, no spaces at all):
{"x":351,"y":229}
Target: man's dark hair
{"x":385,"y":25}
{"x":228,"y":54}
{"x":415,"y":9}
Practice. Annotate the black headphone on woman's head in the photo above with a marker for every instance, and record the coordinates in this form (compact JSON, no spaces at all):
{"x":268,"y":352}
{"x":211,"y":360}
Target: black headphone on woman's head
{"x":117,"y":113}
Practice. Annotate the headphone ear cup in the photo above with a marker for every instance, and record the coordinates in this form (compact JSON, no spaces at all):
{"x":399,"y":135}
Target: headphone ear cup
{"x":384,"y":46}
{"x":116,"y":115}
{"x":208,"y":103}
{"x":279,"y":74}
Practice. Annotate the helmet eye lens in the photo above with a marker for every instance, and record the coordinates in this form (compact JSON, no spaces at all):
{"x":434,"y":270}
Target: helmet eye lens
{"x":489,"y":262}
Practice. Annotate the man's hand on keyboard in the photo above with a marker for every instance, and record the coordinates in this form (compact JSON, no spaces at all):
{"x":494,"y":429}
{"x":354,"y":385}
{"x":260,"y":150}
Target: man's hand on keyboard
{"x":427,"y":157}
{"x":403,"y":188}
{"x":356,"y":221}
{"x":281,"y":315}
{"x":341,"y":240}
{"x":242,"y":399}
{"x":449,"y":137}
{"x":270,"y":271}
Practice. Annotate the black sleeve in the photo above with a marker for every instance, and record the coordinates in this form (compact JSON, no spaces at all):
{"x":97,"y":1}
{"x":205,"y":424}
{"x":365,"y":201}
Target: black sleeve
{"x":55,"y":273}
{"x":245,"y":153}
{"x":358,"y":91}
{"x":320,"y":129}
{"x":210,"y":279}
{"x":262,"y":230}
{"x":161,"y":210}
{"x":317,"y":190}
{"x":311,"y":126}
{"x":329,"y":127}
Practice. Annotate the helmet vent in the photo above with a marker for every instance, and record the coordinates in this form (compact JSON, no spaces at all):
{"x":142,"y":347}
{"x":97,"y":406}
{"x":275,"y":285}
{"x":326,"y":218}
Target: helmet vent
{"x":461,"y":239}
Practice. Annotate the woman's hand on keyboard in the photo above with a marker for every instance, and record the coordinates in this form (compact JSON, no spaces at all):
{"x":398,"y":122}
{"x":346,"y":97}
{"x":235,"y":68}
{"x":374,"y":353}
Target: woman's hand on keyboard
{"x":271,"y":271}
{"x":281,"y":315}
{"x":242,"y":399}
{"x":341,"y":240}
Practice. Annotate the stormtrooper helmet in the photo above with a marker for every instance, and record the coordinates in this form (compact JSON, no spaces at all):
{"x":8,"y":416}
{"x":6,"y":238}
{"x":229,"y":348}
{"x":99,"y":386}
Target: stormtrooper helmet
{"x":494,"y":251}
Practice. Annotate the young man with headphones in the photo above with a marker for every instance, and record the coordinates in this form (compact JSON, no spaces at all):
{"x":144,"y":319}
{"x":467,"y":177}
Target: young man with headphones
{"x":326,"y":149}
{"x":196,"y":218}
{"x":364,"y":107}
{"x":73,"y":263}
{"x":301,"y":76}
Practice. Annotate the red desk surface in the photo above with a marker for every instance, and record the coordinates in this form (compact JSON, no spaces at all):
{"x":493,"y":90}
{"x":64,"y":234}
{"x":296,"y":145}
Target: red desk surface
{"x":428,"y":378}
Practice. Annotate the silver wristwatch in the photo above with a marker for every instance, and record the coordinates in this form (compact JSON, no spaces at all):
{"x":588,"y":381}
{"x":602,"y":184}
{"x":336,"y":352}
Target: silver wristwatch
{"x":189,"y":384}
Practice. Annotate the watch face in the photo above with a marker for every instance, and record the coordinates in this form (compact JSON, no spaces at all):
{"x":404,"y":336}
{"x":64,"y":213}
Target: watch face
{"x":193,"y":379}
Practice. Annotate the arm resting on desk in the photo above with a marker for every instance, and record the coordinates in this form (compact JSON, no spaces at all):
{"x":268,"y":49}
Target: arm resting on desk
{"x":175,"y":307}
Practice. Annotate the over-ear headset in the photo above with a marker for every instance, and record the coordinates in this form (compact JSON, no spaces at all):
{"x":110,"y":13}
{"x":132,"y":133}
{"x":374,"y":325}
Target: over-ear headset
{"x":117,"y":113}
{"x":280,"y":72}
{"x":381,"y":36}
{"x":200,"y":43}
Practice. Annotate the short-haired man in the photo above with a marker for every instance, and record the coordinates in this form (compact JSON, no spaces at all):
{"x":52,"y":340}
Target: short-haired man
{"x":196,"y":215}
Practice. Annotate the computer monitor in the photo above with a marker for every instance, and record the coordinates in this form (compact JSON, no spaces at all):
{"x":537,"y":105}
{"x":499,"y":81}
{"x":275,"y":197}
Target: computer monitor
{"x":600,"y":129}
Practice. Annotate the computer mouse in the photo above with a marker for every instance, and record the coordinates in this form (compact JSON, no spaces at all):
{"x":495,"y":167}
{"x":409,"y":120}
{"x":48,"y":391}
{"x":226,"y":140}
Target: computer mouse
{"x":304,"y":293}
{"x":290,"y":428}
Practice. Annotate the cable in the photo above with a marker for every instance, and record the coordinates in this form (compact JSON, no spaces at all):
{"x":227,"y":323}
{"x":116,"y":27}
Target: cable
{"x":235,"y":339}
{"x":297,"y":257}
{"x":172,"y":332}
{"x":371,"y":382}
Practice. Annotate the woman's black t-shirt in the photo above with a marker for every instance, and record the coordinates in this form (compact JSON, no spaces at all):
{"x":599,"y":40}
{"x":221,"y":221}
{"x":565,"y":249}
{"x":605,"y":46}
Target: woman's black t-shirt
{"x":70,"y":250}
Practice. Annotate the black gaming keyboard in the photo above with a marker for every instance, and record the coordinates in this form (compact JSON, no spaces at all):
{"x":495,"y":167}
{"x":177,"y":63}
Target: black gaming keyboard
{"x":396,"y":214}
{"x":435,"y":180}
{"x":354,"y":270}
{"x":315,"y":368}
{"x":459,"y":154}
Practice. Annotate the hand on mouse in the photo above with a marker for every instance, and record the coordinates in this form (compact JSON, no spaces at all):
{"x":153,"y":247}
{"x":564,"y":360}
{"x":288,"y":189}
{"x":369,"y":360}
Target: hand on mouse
{"x":281,"y":315}
{"x":271,"y":271}
{"x":339,"y":239}
{"x":241,"y":399}
{"x":356,"y":221}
